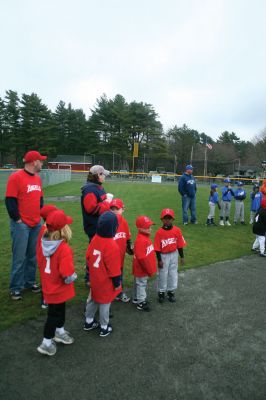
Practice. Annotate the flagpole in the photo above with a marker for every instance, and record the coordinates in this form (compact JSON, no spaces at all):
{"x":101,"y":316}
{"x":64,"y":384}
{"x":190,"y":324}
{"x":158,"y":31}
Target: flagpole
{"x":191,"y":155}
{"x":205,"y":161}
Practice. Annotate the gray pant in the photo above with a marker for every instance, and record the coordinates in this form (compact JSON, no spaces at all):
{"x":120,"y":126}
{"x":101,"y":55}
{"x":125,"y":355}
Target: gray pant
{"x":239,"y":211}
{"x":168,"y":275}
{"x":139,"y":288}
{"x":92,"y":307}
{"x":259,"y":243}
{"x":212,"y":210}
{"x":225,"y":209}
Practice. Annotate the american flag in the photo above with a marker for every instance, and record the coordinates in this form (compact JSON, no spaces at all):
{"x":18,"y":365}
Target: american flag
{"x":209,"y":146}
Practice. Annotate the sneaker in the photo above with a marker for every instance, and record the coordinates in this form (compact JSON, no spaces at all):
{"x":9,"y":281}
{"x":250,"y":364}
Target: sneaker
{"x":255,"y":250}
{"x":16,"y":295}
{"x":221,"y":223}
{"x":47,"y":350}
{"x":123,"y":297}
{"x":227,"y":223}
{"x":143,"y":306}
{"x":262,"y":254}
{"x":106,"y":332}
{"x":93,"y":325}
{"x":194,"y":222}
{"x":171,"y":297}
{"x":135,"y":301}
{"x":44,"y":305}
{"x":35,"y":288}
{"x":185,"y":223}
{"x":65,"y":338}
{"x":161,"y":297}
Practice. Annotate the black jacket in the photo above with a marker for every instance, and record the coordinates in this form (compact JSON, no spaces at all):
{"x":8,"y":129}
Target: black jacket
{"x":259,"y":226}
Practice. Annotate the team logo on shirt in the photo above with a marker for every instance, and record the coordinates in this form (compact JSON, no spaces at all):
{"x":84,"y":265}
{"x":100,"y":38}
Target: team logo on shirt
{"x":120,"y":235}
{"x":33,"y":188}
{"x":149,"y":249}
{"x":168,"y":241}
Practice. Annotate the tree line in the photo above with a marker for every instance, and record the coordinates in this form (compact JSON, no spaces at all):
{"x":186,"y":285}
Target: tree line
{"x":110,"y":132}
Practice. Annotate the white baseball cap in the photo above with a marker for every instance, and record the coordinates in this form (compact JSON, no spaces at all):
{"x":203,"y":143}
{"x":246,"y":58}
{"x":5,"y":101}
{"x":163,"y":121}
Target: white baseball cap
{"x":99,"y":170}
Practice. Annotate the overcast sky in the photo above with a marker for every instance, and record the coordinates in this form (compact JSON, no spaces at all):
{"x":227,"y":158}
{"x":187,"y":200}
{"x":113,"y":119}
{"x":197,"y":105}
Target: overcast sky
{"x":198,"y":62}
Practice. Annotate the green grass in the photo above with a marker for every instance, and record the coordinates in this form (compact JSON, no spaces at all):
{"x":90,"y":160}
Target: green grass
{"x":205,"y":245}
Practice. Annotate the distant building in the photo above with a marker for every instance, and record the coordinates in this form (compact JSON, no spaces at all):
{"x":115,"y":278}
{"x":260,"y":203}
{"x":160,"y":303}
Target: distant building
{"x":73,"y":162}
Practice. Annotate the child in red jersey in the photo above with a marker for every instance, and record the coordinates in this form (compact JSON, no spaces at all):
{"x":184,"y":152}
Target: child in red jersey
{"x":168,"y":239}
{"x":45,"y":211}
{"x":122,"y":238}
{"x":144,"y":262}
{"x":55,"y":261}
{"x":103,"y":259}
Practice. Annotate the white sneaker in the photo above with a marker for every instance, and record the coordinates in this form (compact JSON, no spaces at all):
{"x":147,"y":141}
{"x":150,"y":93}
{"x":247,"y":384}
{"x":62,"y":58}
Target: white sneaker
{"x":65,"y":338}
{"x":227,"y":223}
{"x":221,"y":223}
{"x":47,"y":350}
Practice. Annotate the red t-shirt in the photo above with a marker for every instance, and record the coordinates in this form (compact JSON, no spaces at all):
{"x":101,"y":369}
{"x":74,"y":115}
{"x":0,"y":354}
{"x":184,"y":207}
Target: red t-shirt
{"x":103,"y":259}
{"x":167,"y":241}
{"x":55,"y":290}
{"x":144,"y":260}
{"x":122,"y":236}
{"x":27,"y":189}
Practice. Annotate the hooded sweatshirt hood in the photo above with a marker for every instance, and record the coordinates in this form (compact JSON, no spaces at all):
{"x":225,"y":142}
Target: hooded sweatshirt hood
{"x":107,"y":225}
{"x":49,"y":247}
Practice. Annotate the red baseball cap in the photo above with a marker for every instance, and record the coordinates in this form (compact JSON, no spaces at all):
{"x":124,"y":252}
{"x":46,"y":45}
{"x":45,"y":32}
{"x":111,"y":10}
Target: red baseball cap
{"x":167,"y":211}
{"x":33,"y":155}
{"x":263,"y":202}
{"x":46,"y":209}
{"x":144,"y":222}
{"x":118,"y":203}
{"x":56,"y":220}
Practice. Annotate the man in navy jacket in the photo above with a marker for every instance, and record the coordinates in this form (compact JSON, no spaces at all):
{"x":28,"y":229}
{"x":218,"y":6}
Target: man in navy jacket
{"x":187,"y":188}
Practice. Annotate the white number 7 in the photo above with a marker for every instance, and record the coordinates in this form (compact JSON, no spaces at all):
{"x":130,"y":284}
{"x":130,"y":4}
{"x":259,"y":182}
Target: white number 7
{"x":98,"y":259}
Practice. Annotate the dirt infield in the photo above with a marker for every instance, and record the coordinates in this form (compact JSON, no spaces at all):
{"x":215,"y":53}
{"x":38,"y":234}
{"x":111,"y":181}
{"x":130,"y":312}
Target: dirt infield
{"x":211,"y":344}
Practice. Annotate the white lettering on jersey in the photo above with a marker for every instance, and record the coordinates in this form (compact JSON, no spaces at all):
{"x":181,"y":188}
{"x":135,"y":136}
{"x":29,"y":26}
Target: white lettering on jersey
{"x":120,"y":235}
{"x":149,"y":249}
{"x":33,"y":188}
{"x":168,"y":241}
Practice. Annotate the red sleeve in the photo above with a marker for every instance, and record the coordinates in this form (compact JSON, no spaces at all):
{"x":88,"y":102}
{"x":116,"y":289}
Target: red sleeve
{"x":66,"y":264}
{"x":180,"y":241}
{"x":92,"y":207}
{"x":12,"y":188}
{"x":157,"y":241}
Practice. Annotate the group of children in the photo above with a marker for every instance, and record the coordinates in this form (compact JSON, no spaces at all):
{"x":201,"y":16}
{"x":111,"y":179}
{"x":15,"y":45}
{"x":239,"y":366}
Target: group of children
{"x":105,"y":259}
{"x":224,"y":205}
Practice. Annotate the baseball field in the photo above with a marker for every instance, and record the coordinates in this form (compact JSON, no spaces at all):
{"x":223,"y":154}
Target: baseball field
{"x":205,"y":245}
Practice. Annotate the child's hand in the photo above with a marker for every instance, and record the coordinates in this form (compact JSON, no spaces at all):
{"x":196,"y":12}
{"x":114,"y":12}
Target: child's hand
{"x":71,"y":278}
{"x":160,"y":264}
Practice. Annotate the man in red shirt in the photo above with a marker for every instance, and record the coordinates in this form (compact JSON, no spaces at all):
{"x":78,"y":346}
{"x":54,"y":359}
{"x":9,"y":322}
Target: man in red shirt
{"x":24,"y":199}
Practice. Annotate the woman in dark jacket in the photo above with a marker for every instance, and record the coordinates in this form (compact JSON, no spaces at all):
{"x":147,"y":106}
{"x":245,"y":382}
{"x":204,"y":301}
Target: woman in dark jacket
{"x":259,"y":228}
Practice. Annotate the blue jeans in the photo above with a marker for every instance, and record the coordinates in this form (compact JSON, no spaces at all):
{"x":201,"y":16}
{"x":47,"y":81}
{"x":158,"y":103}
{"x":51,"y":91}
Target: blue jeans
{"x":23,"y":267}
{"x":189,"y":203}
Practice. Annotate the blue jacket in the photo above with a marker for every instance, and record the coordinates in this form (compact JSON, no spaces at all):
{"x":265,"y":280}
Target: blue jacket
{"x":227,"y":193}
{"x":256,"y":198}
{"x":90,"y":220}
{"x":187,"y":185}
{"x":240,"y":194}
{"x":214,"y":198}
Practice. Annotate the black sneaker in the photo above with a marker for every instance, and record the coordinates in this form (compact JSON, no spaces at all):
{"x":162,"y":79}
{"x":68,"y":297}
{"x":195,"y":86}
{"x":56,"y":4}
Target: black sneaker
{"x":93,"y":325}
{"x":263,"y":254}
{"x":143,"y":306}
{"x":35,"y":288}
{"x":135,"y":301}
{"x":106,"y":332}
{"x":161,"y":297}
{"x":16,"y":295}
{"x":171,"y":297}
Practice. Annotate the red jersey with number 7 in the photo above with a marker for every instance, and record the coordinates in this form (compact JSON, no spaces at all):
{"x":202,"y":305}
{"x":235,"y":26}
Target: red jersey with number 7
{"x":104,"y":261}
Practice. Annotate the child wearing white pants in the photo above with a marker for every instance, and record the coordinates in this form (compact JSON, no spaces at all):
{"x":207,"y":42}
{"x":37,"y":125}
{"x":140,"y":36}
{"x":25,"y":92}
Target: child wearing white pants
{"x":168,"y":243}
{"x":259,"y":229}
